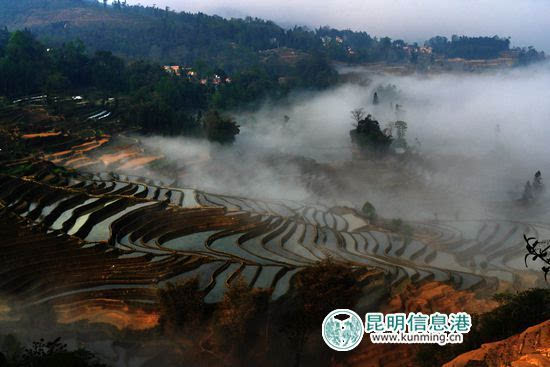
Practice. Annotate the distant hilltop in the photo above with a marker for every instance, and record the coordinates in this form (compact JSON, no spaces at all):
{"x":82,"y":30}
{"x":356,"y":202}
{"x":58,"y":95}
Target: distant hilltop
{"x":172,"y":38}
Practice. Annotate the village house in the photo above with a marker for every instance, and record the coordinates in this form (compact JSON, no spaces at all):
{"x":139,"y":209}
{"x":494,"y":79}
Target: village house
{"x":174,"y":69}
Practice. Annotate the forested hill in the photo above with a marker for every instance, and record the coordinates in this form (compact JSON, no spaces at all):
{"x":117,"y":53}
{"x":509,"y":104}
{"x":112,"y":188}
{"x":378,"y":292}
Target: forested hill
{"x":179,"y":38}
{"x":168,"y":37}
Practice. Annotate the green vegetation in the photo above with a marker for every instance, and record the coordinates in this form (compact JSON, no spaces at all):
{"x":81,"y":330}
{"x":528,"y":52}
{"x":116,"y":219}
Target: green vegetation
{"x":516,"y":313}
{"x":234,"y":45}
{"x":398,"y":226}
{"x":181,"y":306}
{"x":219,"y":64}
{"x":368,"y":137}
{"x":239,"y":317}
{"x":369,"y":211}
{"x":248,"y":328}
{"x":219,"y":129}
{"x":155,"y":100}
{"x":168,"y":37}
{"x":316,"y":291}
{"x":480,"y":48}
{"x":44,"y":354}
{"x":28,"y":67}
{"x":469,"y":47}
{"x":17,"y":170}
{"x":401,"y":130}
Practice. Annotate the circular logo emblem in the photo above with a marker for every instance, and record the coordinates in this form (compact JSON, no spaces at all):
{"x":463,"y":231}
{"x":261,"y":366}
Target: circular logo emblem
{"x":343,"y":330}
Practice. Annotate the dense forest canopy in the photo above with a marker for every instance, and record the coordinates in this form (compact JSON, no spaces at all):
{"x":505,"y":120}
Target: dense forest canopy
{"x":220,"y":64}
{"x":470,"y":47}
{"x":154,"y":99}
{"x":480,"y":48}
{"x":169,"y":37}
{"x":180,"y":38}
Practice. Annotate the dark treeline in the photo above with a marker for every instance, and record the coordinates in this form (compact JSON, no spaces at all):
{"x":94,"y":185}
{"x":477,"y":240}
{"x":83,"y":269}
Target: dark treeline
{"x":247,"y":328}
{"x":180,"y":38}
{"x":480,"y":48}
{"x":44,"y":353}
{"x":168,"y":37}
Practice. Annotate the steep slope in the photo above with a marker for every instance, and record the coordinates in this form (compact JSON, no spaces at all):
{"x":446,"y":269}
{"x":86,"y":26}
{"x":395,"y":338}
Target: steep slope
{"x":531,"y":348}
{"x":427,"y":298}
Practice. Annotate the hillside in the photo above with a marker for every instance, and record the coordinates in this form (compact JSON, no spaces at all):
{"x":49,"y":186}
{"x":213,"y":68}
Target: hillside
{"x":94,"y":245}
{"x":168,"y":37}
{"x":148,"y":33}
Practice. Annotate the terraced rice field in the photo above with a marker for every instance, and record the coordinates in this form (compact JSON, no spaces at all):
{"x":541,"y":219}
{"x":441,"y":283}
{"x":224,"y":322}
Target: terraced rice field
{"x":88,"y":241}
{"x":103,"y":237}
{"x":77,"y":139}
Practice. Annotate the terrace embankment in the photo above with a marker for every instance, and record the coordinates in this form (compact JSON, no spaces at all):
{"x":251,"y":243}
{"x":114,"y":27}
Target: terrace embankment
{"x":95,"y":246}
{"x":126,"y":236}
{"x":72,"y":134}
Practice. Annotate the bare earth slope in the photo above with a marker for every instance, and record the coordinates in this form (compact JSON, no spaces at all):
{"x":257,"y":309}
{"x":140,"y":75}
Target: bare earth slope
{"x":531,"y":348}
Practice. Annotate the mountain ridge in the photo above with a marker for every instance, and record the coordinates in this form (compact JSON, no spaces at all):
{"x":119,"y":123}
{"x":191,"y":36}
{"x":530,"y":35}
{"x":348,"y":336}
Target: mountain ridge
{"x":180,"y":38}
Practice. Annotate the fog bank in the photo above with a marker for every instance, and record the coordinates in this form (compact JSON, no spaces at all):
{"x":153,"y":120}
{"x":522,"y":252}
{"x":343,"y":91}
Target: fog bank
{"x":479,"y":137}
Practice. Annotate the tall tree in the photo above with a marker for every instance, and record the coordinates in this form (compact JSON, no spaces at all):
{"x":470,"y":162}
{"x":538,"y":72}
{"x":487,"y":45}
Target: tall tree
{"x":219,"y":129}
{"x":358,"y":114}
{"x":25,"y":65}
{"x":316,"y":291}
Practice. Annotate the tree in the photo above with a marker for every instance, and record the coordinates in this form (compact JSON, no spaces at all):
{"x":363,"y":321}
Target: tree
{"x":24,"y":67}
{"x":529,"y":55}
{"x":11,"y":347}
{"x":401,"y":127}
{"x":375,"y":99}
{"x":368,"y":136}
{"x":369,"y":211}
{"x":538,"y":186}
{"x":414,"y":57}
{"x":238,"y":316}
{"x":72,"y":61}
{"x":107,"y":71}
{"x":316,"y":291}
{"x":219,"y":129}
{"x":469,"y":47}
{"x":388,"y":93}
{"x":4,"y":38}
{"x":400,"y":142}
{"x":315,"y":71}
{"x":527,"y":192}
{"x":181,"y":306}
{"x":57,"y":82}
{"x":358,"y":114}
{"x":54,"y":353}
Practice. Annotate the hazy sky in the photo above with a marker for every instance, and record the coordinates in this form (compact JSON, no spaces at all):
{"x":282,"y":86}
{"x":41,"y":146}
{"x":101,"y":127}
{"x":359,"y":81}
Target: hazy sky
{"x":526,"y":21}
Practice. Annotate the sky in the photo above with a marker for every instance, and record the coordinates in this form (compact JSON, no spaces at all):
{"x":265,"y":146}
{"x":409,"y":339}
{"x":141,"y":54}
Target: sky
{"x":526,"y":21}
